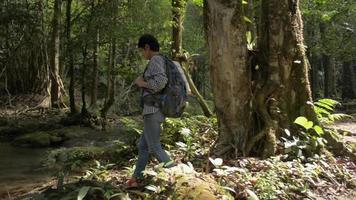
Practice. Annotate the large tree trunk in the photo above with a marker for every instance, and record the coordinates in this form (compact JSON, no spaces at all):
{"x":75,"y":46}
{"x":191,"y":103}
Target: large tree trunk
{"x":285,"y":93}
{"x":70,"y":61}
{"x":282,"y":91}
{"x":226,"y":34}
{"x":55,"y":78}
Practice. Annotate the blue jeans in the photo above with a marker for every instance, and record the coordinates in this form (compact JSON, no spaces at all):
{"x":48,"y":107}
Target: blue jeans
{"x":149,"y":142}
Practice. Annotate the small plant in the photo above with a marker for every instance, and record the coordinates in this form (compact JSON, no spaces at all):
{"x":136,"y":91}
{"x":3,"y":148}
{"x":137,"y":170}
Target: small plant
{"x":307,"y":142}
{"x":324,"y":109}
{"x":190,"y":146}
{"x":99,"y":172}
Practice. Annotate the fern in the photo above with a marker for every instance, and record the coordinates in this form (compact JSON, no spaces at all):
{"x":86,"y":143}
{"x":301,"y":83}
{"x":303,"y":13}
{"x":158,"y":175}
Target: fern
{"x":324,"y":109}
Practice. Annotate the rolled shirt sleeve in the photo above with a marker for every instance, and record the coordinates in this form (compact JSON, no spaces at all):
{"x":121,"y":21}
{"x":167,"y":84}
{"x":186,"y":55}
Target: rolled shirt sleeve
{"x":155,"y":74}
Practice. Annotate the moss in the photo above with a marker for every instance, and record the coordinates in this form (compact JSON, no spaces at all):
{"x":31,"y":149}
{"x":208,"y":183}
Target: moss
{"x":72,"y":132}
{"x":37,"y":139}
{"x":189,"y":187}
{"x":66,"y":157}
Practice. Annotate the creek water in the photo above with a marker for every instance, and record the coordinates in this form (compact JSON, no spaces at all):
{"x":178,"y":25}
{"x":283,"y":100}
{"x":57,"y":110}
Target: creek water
{"x":22,"y":169}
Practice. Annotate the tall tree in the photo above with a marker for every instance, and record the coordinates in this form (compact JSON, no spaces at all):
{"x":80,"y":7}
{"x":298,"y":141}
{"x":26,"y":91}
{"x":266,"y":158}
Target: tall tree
{"x":95,"y":73}
{"x":226,"y":34}
{"x":178,"y":10}
{"x":282,"y":91}
{"x":55,"y":78}
{"x":285,"y":93}
{"x":70,"y":60}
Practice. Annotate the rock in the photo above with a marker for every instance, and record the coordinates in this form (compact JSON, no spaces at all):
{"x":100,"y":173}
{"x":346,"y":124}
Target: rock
{"x":73,"y":132}
{"x":189,"y":184}
{"x":38,"y":139}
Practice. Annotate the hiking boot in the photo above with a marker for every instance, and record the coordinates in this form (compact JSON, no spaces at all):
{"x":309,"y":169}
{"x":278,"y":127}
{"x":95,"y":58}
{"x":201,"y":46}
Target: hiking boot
{"x":132,"y":183}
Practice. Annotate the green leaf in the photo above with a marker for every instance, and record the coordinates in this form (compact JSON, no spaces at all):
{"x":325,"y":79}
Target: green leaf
{"x":83,"y":192}
{"x":329,"y":102}
{"x":247,"y":19}
{"x":198,"y":2}
{"x":320,"y":110}
{"x":304,"y":122}
{"x":244,"y":2}
{"x":325,"y":106}
{"x":318,"y":130}
{"x":249,"y":37}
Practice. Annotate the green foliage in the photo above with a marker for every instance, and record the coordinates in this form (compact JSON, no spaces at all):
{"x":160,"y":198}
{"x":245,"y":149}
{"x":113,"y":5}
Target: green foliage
{"x":192,"y":135}
{"x":181,"y":182}
{"x":324,"y":109}
{"x":251,"y":43}
{"x":276,"y":179}
{"x":198,"y":2}
{"x":330,"y":28}
{"x":306,"y":142}
{"x":309,"y":140}
{"x":83,"y":192}
{"x":98,"y":172}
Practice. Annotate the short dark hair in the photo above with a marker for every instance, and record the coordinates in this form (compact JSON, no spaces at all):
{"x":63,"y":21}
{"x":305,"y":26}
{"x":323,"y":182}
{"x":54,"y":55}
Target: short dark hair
{"x":150,"y":41}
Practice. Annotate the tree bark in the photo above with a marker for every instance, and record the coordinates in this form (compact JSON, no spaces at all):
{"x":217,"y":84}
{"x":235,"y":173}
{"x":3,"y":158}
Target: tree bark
{"x":178,"y":8}
{"x":285,"y":93}
{"x":349,"y":78}
{"x":111,"y":83}
{"x":178,"y":11}
{"x":84,"y":111}
{"x":95,"y":74}
{"x":316,"y":71}
{"x":330,"y":79}
{"x":55,"y":78}
{"x":226,"y":34}
{"x":282,"y":90}
{"x":73,"y":108}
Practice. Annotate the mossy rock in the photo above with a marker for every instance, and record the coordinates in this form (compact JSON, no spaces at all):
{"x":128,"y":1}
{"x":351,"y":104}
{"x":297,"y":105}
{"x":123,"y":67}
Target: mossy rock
{"x":202,"y":188}
{"x":37,"y":139}
{"x":73,"y":132}
{"x":183,"y":182}
{"x":67,"y":156}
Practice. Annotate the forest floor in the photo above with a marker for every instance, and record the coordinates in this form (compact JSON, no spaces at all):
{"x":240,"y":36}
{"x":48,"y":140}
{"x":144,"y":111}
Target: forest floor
{"x":114,"y":149}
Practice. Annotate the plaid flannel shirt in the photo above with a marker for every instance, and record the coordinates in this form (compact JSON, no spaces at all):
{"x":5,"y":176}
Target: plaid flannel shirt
{"x":156,"y":78}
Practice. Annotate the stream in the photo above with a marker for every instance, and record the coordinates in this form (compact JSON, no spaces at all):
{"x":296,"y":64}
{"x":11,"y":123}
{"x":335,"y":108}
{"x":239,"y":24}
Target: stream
{"x":21,"y":169}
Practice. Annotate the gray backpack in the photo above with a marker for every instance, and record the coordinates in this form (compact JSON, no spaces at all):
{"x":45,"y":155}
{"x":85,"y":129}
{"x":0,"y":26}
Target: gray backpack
{"x":172,"y":98}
